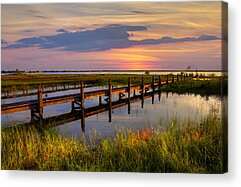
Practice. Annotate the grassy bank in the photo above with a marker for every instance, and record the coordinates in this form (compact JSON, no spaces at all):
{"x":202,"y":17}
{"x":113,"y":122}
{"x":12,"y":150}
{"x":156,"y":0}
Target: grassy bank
{"x":32,"y":79}
{"x":183,"y":147}
{"x":201,"y":87}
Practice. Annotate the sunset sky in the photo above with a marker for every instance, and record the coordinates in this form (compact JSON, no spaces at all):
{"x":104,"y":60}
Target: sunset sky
{"x":111,"y":36}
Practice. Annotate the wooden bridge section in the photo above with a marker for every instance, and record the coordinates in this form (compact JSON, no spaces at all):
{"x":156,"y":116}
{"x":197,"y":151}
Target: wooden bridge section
{"x":139,"y":91}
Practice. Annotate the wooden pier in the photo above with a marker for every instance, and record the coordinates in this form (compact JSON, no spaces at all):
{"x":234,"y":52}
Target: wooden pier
{"x":78,"y":110}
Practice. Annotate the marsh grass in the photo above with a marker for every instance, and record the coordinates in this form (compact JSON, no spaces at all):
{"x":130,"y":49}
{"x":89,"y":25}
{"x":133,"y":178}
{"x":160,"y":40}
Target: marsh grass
{"x":202,"y":87}
{"x":34,"y":79}
{"x":182,"y":147}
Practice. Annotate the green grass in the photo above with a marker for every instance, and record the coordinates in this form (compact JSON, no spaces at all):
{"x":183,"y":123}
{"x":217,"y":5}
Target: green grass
{"x":32,"y":79}
{"x":182,"y":147}
{"x":202,"y":87}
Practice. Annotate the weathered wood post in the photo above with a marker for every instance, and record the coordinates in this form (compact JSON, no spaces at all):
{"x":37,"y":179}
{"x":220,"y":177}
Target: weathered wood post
{"x":166,"y":79}
{"x":23,"y":88}
{"x":40,"y":103}
{"x":72,"y":106}
{"x":82,"y":100}
{"x":173,"y":78}
{"x":100,"y":100}
{"x":120,"y":94}
{"x":153,"y":83}
{"x":32,"y":115}
{"x":160,"y":82}
{"x":110,"y":101}
{"x":129,"y":95}
{"x":27,"y":89}
{"x":159,"y":86}
{"x":153,"y":88}
{"x":142,"y":92}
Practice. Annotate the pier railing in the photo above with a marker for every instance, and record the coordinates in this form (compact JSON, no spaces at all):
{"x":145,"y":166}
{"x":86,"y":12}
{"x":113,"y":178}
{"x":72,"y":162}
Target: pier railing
{"x":140,"y":91}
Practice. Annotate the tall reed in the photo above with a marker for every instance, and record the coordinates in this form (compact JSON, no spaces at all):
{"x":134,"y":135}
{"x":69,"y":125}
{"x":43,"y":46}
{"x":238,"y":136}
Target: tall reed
{"x":183,"y":147}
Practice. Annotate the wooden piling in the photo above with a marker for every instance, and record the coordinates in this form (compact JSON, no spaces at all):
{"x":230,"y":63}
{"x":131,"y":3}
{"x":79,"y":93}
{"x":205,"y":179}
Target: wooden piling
{"x":159,"y":95}
{"x":72,"y":106}
{"x":32,"y":116}
{"x":120,"y":94}
{"x":100,"y":100}
{"x":153,"y":88}
{"x":129,"y":95}
{"x":153,"y":83}
{"x":159,"y":87}
{"x":142,"y":92}
{"x":110,"y":100}
{"x":82,"y":107}
{"x":160,"y":82}
{"x":40,"y":103}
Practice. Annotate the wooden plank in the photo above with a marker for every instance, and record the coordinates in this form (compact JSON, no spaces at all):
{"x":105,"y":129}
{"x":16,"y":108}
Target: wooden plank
{"x":129,"y":95}
{"x":142,"y":92}
{"x":40,"y":103}
{"x":82,"y":100}
{"x":54,"y":89}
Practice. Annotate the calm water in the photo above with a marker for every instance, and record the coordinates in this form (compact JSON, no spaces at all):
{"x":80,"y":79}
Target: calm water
{"x":216,"y":73}
{"x":170,"y":106}
{"x":207,"y":73}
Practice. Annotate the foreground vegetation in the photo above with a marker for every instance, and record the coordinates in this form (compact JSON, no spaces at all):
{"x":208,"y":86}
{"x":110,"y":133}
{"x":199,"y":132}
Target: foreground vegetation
{"x":181,"y":147}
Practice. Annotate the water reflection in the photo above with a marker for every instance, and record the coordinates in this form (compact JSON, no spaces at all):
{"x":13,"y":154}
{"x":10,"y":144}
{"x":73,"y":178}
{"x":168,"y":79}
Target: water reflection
{"x":157,"y":110}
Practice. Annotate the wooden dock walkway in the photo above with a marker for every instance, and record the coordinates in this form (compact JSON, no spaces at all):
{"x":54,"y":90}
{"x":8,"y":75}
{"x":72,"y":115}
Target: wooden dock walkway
{"x":140,"y":91}
{"x":74,"y":115}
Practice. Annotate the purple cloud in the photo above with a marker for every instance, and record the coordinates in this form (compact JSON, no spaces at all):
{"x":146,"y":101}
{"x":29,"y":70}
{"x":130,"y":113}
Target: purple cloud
{"x":100,"y":39}
{"x":62,"y":30}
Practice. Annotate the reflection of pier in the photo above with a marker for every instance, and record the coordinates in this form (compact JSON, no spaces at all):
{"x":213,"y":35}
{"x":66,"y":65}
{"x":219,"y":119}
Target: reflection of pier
{"x":138,"y":92}
{"x":75,"y":114}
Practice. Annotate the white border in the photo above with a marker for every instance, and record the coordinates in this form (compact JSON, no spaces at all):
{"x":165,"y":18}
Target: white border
{"x":88,"y":1}
{"x":233,"y":178}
